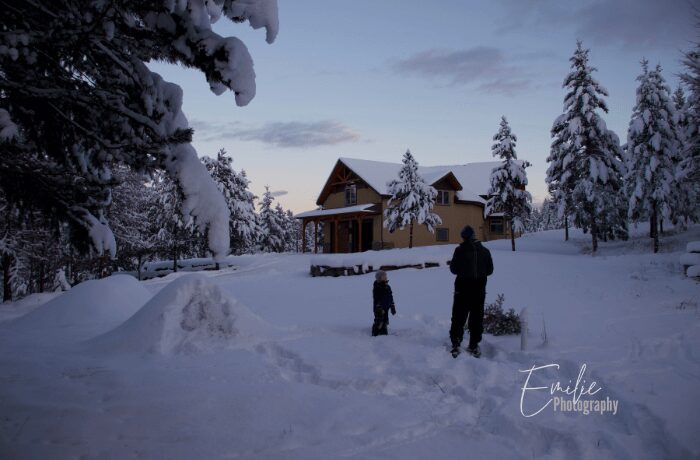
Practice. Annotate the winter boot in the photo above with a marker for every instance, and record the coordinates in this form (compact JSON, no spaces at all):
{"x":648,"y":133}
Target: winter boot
{"x":475,"y":351}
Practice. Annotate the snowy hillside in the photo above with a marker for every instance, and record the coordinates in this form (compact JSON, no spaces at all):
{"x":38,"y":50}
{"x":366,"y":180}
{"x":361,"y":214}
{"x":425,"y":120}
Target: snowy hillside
{"x":268,"y":362}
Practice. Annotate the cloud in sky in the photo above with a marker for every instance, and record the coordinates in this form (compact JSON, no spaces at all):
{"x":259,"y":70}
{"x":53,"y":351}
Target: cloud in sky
{"x":632,"y":24}
{"x":485,"y":67}
{"x":293,"y":134}
{"x":278,"y":193}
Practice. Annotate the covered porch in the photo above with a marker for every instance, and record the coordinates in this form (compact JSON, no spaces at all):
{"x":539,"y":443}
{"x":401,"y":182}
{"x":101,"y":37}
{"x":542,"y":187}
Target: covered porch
{"x":348,"y":229}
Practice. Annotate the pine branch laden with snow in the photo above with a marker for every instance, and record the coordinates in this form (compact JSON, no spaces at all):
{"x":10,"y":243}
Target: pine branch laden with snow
{"x":689,"y":127}
{"x":243,"y":224}
{"x":32,"y":251}
{"x":10,"y":266}
{"x":174,"y":232}
{"x":585,"y":162}
{"x":507,"y":194}
{"x":77,"y":98}
{"x":133,"y":200}
{"x":653,"y":144}
{"x":411,"y":201}
{"x":691,"y":77}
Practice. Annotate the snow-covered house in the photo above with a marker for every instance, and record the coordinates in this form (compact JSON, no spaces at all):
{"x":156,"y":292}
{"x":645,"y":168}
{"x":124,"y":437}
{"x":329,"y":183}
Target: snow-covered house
{"x":354,"y":197}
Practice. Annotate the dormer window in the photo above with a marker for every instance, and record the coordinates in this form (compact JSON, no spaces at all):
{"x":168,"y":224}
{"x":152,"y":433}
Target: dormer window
{"x":443,"y":197}
{"x":350,"y":195}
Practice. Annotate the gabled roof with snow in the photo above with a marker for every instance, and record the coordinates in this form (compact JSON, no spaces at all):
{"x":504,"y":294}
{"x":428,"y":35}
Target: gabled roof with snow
{"x":473,"y":177}
{"x":337,"y":211}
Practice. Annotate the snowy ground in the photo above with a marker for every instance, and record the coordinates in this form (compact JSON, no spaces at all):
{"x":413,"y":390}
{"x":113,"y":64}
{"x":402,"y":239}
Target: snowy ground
{"x":267,"y":362}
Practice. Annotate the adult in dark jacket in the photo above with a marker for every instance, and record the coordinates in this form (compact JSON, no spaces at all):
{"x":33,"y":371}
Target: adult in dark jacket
{"x":382,"y":303}
{"x":471,"y":263}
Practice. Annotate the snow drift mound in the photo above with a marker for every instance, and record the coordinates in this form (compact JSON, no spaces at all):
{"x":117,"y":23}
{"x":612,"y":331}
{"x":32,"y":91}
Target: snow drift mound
{"x":188,"y":315}
{"x":89,"y":309}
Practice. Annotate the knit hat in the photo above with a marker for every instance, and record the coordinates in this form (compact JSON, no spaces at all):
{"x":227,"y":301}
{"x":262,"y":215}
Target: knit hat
{"x":467,"y":233}
{"x":380,"y":276}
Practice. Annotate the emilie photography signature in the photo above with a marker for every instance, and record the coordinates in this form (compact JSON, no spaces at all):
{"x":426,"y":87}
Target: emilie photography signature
{"x":569,"y":397}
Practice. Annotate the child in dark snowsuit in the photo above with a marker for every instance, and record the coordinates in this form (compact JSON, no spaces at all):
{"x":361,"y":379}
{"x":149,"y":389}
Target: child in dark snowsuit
{"x":383,"y":301}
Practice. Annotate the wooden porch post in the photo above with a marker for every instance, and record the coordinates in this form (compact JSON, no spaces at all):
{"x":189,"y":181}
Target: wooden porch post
{"x":381,"y":225}
{"x":303,"y":236}
{"x":315,"y":236}
{"x":359,"y":234}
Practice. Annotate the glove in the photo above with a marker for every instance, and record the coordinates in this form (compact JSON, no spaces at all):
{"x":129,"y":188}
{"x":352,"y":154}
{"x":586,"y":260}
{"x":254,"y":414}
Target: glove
{"x":393,"y":310}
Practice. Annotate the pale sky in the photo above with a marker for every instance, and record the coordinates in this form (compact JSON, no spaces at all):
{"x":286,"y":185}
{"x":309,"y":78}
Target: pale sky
{"x":369,"y":79}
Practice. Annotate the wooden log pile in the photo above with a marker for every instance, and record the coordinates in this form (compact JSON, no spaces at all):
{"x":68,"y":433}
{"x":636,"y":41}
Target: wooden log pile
{"x":326,"y":270}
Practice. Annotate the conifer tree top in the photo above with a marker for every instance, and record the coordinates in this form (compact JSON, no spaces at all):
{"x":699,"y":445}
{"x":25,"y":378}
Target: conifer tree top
{"x":504,"y":147}
{"x":584,"y":90}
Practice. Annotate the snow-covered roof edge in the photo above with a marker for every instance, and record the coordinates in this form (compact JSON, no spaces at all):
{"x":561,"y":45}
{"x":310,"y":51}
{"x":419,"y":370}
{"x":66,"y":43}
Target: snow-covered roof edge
{"x":474,"y":178}
{"x":335,"y":211}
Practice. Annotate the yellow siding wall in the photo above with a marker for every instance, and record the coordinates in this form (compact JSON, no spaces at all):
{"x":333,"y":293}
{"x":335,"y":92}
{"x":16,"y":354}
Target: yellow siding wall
{"x":364,"y":196}
{"x":454,"y":217}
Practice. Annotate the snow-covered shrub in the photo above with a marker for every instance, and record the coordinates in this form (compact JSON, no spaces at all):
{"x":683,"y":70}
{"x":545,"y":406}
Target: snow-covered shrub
{"x":499,"y":322}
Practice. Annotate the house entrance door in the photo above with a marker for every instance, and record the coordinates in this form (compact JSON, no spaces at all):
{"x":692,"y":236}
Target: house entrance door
{"x":344,"y":237}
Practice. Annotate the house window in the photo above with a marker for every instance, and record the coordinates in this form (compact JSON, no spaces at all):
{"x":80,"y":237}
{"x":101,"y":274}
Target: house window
{"x":350,"y":195}
{"x":496,"y":225}
{"x":442,"y":234}
{"x":443,"y":197}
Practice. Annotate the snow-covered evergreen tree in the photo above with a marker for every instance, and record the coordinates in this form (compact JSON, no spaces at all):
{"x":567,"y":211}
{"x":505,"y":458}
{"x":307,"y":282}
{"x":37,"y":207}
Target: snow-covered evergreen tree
{"x":132,"y":201}
{"x":612,"y":222}
{"x":689,"y":135}
{"x":560,"y":174}
{"x":309,"y":235}
{"x":652,"y":145}
{"x":312,"y":233}
{"x":175,"y":231}
{"x":686,"y":208}
{"x":411,"y":201}
{"x":31,"y":251}
{"x":534,"y":220}
{"x":679,"y":103}
{"x":10,"y":246}
{"x":550,"y":216}
{"x":272,"y":228}
{"x":285,"y":236}
{"x":241,"y":201}
{"x":543,"y":217}
{"x":292,"y":232}
{"x":10,"y":265}
{"x":691,"y":154}
{"x":585,"y":171}
{"x":507,"y":193}
{"x":77,"y":97}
